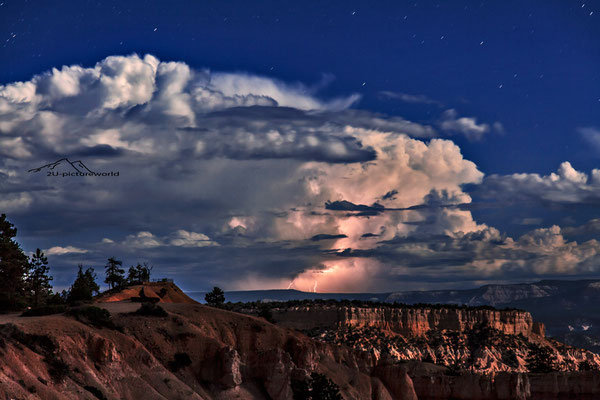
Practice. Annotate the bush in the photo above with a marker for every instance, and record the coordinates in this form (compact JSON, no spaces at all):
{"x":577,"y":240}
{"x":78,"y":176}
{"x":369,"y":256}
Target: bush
{"x":95,"y":316}
{"x":585,"y":365}
{"x":181,"y":360}
{"x":151,"y":310}
{"x":317,"y":387}
{"x":540,"y":359}
{"x":45,"y":310}
{"x":266,"y":313}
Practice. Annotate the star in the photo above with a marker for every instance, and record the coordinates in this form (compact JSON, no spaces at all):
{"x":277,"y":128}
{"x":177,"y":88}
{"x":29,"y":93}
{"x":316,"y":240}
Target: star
{"x":481,"y":43}
{"x":500,"y":87}
{"x":155,"y":29}
{"x":364,"y":83}
{"x":592,"y":13}
{"x":353,"y":12}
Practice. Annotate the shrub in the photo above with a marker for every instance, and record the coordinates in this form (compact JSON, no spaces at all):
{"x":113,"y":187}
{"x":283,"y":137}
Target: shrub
{"x":585,"y":365}
{"x":317,"y":387}
{"x":180,"y":360}
{"x":95,"y":316}
{"x":45,"y":310}
{"x":540,"y":359}
{"x":266,"y":313}
{"x":151,"y":310}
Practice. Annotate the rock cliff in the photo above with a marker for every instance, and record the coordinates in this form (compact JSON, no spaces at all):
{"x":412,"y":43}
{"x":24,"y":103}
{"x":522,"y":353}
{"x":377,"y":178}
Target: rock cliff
{"x":480,"y":340}
{"x":410,"y":321}
{"x":198,"y":352}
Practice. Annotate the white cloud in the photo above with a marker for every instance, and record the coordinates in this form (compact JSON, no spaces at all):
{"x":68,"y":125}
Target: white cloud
{"x":567,"y":185}
{"x":297,"y":96}
{"x":410,"y":98}
{"x":184,"y":238}
{"x":190,"y":142}
{"x":59,"y":251}
{"x":142,"y":240}
{"x":15,"y":202}
{"x":465,"y":125}
{"x":179,"y":238}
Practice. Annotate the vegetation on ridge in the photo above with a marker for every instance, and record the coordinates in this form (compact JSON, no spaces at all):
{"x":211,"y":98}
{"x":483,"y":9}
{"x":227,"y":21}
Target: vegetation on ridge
{"x":261,"y":306}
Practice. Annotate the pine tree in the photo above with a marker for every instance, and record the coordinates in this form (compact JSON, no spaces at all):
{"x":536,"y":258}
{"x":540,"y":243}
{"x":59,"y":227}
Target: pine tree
{"x":84,"y":287}
{"x":114,"y":275}
{"x":215,"y":298}
{"x":13,"y":267}
{"x":38,"y":279}
{"x":138,"y":274}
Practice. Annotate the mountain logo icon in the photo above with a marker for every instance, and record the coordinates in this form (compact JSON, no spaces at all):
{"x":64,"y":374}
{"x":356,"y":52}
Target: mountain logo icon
{"x":77,"y":165}
{"x":73,"y":168}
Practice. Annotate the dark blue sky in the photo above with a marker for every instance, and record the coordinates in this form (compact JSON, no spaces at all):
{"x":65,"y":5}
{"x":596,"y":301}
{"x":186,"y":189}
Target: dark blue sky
{"x":544,"y":55}
{"x":514,"y":84}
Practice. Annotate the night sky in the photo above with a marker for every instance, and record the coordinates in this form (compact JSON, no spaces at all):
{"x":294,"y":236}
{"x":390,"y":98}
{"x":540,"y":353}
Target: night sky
{"x":328,"y":146}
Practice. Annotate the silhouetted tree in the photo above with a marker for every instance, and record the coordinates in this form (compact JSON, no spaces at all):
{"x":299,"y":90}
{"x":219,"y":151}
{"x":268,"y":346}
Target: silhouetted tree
{"x":114,"y":274}
{"x":38,"y":279}
{"x":215,"y":298}
{"x":139,"y":273}
{"x":13,"y":267}
{"x":85,"y":287}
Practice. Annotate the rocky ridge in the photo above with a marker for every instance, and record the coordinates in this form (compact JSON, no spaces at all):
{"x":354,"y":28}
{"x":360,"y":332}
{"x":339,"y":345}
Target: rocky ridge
{"x":480,"y":340}
{"x":198,"y":352}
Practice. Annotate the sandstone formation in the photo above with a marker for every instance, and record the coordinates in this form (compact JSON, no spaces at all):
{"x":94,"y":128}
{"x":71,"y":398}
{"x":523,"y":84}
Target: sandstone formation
{"x":408,"y":321}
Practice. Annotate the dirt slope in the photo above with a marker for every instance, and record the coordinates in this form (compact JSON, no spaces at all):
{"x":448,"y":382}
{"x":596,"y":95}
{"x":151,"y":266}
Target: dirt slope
{"x":166,"y":292}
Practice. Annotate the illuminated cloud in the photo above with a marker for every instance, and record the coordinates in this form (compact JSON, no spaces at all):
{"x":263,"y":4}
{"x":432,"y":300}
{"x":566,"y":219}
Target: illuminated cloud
{"x":249,"y":182}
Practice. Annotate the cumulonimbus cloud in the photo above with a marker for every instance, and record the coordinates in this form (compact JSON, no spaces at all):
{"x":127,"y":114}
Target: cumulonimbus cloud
{"x":269,"y":182}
